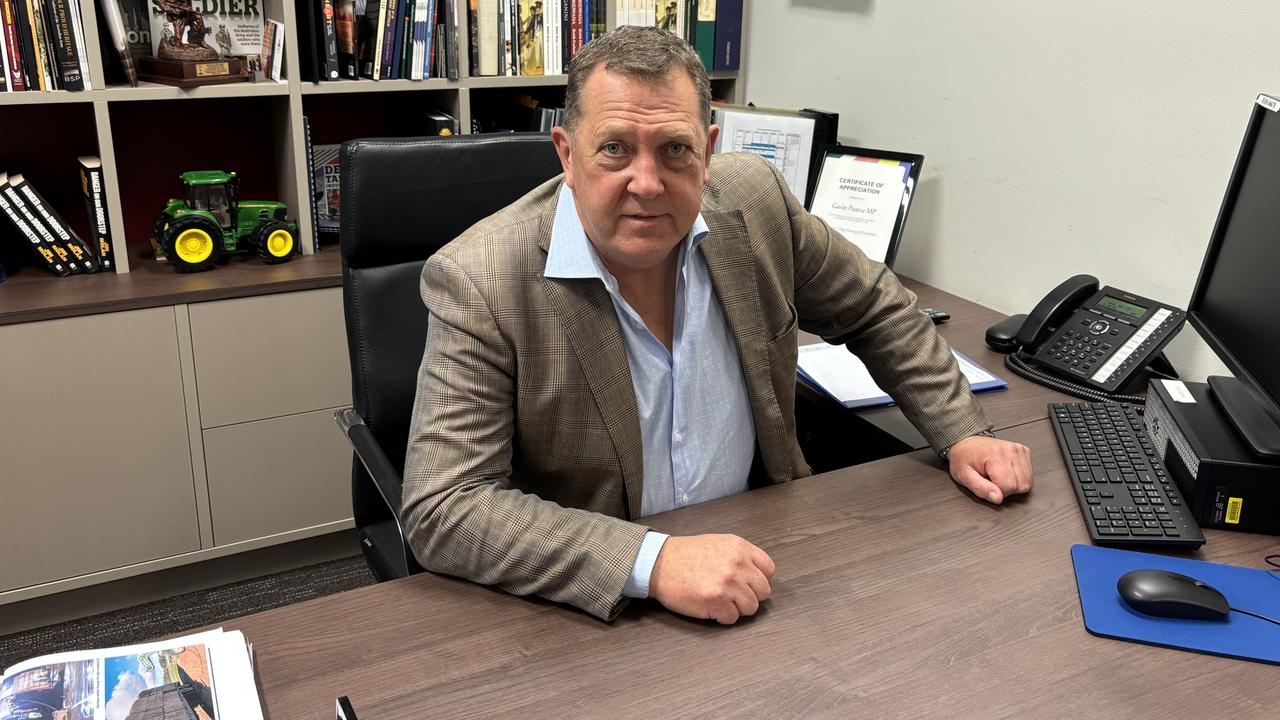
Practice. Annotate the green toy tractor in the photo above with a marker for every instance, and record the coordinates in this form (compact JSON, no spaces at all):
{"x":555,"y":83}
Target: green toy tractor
{"x":192,"y":232}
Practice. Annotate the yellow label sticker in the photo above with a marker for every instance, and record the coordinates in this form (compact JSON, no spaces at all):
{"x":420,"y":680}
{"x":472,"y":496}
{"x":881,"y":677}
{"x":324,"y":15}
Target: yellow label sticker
{"x":1233,"y":510}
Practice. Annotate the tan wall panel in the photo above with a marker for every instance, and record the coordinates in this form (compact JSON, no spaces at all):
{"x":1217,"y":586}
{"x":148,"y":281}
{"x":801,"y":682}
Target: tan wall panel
{"x":270,"y":356}
{"x":277,"y":475}
{"x":96,"y":461}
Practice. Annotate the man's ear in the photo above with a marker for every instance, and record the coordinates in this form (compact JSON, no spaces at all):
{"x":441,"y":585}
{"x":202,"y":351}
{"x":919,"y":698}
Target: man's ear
{"x":564,"y":148}
{"x":713,"y":133}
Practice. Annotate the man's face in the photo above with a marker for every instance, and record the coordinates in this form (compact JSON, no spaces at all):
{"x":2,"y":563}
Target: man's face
{"x":636,"y":162}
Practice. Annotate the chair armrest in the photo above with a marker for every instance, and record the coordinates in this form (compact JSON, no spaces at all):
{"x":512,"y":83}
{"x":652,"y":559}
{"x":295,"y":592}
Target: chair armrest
{"x":375,"y":461}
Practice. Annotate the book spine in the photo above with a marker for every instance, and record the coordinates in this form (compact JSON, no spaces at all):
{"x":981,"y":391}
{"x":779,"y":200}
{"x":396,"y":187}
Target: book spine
{"x":705,"y":33}
{"x":277,"y":57}
{"x":63,"y":42}
{"x":379,"y":32}
{"x":406,"y":39}
{"x":330,"y":50}
{"x":35,"y":15}
{"x":79,"y":253}
{"x":576,"y":25}
{"x":77,"y":32}
{"x":26,"y":45}
{"x":6,"y":85}
{"x":311,"y":185}
{"x":451,"y":38}
{"x":566,"y":33}
{"x":13,"y":48}
{"x":432,"y":47}
{"x":488,"y":18}
{"x":39,"y":235}
{"x":345,"y":32}
{"x":501,"y":45}
{"x":728,"y":35}
{"x":389,"y":25}
{"x":38,"y":245}
{"x":91,"y":182}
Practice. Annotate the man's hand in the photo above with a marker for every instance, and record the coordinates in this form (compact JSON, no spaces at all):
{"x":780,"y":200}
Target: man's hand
{"x":713,"y":577}
{"x":991,"y":468}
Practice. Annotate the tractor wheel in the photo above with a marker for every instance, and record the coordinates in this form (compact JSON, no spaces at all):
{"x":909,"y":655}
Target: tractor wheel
{"x":192,"y":243}
{"x":275,"y":242}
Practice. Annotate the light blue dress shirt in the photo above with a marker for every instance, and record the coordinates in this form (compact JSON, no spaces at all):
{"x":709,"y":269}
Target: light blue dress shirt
{"x":695,"y":418}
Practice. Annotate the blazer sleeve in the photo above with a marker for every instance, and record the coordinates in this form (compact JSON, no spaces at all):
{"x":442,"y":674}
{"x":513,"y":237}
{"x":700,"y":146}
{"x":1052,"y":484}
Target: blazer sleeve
{"x":849,"y":299}
{"x":461,"y":516}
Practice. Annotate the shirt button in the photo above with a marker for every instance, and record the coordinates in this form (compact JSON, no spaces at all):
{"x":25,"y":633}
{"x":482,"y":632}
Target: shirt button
{"x":679,"y":437}
{"x":685,"y":498}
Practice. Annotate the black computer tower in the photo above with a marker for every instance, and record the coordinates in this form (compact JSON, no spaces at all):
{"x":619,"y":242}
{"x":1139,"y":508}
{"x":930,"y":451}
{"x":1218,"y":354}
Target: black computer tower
{"x":1226,"y":485}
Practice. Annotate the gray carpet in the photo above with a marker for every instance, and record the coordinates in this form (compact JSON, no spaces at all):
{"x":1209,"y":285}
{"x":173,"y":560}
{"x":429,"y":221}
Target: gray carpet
{"x":146,"y":622}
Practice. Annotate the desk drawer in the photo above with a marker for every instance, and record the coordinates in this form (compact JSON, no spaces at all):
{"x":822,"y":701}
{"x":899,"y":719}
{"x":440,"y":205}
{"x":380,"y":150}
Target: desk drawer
{"x":270,"y":356}
{"x":277,"y":475}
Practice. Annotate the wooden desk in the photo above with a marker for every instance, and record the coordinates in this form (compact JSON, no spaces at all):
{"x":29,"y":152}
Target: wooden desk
{"x":896,"y":596}
{"x":1022,"y":403}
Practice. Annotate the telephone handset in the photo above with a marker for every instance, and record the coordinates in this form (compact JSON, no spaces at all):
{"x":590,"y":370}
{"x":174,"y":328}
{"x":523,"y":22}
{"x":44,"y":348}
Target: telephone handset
{"x":1089,"y":341}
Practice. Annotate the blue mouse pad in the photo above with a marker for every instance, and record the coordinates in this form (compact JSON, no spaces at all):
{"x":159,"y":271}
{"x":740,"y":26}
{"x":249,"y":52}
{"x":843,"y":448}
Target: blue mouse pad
{"x":1241,"y":636}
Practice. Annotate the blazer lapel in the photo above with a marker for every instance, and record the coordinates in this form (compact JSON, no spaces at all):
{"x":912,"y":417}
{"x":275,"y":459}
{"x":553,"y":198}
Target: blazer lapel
{"x":733,"y":276}
{"x":587,"y":315}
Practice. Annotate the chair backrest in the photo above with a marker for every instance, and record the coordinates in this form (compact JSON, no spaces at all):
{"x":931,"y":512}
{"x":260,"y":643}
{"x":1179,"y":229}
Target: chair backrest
{"x":403,"y":199}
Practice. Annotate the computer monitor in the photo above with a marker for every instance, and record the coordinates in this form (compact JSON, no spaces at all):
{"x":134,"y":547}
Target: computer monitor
{"x":1236,"y":302}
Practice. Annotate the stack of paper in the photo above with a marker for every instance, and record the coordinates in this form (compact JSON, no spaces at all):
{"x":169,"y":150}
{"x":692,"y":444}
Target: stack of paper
{"x":840,"y":375}
{"x":208,"y":676}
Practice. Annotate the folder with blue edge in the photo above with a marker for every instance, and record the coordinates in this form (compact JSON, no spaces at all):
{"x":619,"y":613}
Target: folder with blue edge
{"x":1241,"y":636}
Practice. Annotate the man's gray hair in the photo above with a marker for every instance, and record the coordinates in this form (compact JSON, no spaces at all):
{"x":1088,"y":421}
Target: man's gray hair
{"x":640,"y":53}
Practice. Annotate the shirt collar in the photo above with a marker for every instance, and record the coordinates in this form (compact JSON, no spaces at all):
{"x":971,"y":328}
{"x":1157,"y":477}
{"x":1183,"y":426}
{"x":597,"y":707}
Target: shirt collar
{"x":571,"y":255}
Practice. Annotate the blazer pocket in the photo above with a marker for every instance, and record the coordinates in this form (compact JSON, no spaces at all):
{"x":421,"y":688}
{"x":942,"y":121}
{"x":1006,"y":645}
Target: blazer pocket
{"x":788,"y":327}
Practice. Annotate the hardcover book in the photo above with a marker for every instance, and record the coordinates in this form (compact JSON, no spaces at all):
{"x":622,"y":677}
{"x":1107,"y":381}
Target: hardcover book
{"x":79,"y":253}
{"x":36,"y":239}
{"x":95,"y":203}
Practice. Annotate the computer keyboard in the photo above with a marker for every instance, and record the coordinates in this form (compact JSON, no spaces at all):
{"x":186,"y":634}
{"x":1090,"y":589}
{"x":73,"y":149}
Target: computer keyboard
{"x":1123,"y":489}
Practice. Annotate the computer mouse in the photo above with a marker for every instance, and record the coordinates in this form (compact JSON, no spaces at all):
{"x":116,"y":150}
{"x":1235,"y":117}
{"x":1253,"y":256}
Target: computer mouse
{"x":1169,"y":594}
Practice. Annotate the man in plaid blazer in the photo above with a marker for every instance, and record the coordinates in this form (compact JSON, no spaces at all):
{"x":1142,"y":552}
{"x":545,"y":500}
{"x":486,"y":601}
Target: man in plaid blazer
{"x":622,"y":340}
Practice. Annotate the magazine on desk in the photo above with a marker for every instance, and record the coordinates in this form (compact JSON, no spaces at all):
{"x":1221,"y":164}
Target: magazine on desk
{"x":207,"y":675}
{"x":837,"y":373}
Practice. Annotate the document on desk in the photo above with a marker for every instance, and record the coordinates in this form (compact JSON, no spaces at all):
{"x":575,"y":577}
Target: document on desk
{"x":841,"y":376}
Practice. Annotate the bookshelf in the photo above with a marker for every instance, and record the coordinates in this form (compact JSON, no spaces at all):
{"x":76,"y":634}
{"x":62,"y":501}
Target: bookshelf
{"x":171,"y":451}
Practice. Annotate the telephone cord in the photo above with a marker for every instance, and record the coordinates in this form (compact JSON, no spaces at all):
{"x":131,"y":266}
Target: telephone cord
{"x":1014,"y":362}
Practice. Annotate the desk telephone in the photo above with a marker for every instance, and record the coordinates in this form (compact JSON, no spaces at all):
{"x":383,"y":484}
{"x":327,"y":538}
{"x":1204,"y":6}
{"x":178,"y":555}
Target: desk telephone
{"x":1088,"y":341}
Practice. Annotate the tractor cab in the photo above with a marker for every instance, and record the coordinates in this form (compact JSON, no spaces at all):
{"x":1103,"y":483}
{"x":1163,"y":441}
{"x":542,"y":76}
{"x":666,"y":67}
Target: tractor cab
{"x":215,"y":191}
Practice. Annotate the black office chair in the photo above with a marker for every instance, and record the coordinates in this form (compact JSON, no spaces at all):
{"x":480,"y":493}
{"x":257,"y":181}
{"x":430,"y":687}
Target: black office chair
{"x":403,"y":199}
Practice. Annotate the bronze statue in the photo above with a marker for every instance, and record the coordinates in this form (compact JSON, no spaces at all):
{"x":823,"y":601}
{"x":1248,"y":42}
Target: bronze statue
{"x":184,"y":19}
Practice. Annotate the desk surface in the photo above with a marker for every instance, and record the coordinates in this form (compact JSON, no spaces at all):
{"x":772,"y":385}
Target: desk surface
{"x":1022,"y":403}
{"x":896,"y":596}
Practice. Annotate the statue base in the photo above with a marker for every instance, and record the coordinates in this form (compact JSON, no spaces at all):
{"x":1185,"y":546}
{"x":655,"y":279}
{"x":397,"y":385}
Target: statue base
{"x":191,"y":73}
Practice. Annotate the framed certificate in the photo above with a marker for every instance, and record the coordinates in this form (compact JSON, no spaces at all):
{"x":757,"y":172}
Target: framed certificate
{"x":865,"y":194}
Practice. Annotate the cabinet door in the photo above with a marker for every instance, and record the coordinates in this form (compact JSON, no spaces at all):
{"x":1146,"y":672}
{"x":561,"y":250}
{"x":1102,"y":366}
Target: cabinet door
{"x":275,"y":476}
{"x":269,"y":356}
{"x":95,"y":471}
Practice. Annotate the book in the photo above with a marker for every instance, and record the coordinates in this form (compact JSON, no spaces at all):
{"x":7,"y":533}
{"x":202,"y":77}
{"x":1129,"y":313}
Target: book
{"x":95,"y":203}
{"x":13,"y":47}
{"x":206,"y":675}
{"x":61,"y":38}
{"x":487,"y":16}
{"x":451,"y":37}
{"x":367,"y":12}
{"x":30,"y":45}
{"x":329,"y":36}
{"x":5,"y":84}
{"x":232,"y":28}
{"x":327,"y":176}
{"x":391,"y":11}
{"x":50,"y":241}
{"x":77,"y":34}
{"x":81,"y":255}
{"x":273,"y":49}
{"x":530,"y":37}
{"x":312,"y":185}
{"x":38,"y":241}
{"x":345,"y":27}
{"x":728,"y":36}
{"x":837,"y":373}
{"x":704,"y":33}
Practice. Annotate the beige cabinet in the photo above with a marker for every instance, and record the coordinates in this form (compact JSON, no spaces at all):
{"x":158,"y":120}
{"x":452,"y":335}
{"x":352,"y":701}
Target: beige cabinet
{"x":137,"y":440}
{"x":269,"y":371}
{"x":95,"y":471}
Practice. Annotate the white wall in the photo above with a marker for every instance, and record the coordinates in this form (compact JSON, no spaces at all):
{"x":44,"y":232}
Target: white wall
{"x":1089,"y":136}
